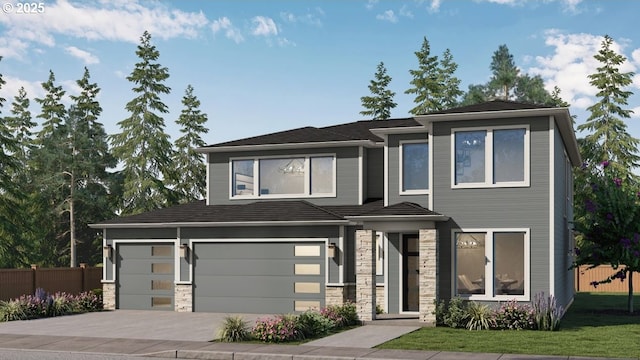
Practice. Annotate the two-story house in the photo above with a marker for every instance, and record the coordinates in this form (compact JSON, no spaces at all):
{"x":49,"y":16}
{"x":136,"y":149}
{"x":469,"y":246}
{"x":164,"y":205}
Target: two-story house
{"x":473,"y":202}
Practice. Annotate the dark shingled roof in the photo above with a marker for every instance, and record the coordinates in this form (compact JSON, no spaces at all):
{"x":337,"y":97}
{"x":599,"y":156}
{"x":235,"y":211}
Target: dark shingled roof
{"x":496,"y":105}
{"x":359,"y":130}
{"x":198,"y":211}
{"x":265,"y":211}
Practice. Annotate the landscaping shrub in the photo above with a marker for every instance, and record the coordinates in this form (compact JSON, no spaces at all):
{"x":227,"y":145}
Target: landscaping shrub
{"x":455,"y":315}
{"x":546,"y":313}
{"x":41,"y":304}
{"x":479,"y":316}
{"x":278,"y":329}
{"x":343,"y":315}
{"x":512,"y":316}
{"x":313,"y":324}
{"x":234,"y":328}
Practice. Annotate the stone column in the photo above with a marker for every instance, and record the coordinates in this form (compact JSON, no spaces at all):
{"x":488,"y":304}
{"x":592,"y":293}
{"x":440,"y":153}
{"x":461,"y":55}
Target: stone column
{"x":365,"y":275}
{"x":183,"y":297}
{"x":109,"y":296}
{"x":428,"y":247}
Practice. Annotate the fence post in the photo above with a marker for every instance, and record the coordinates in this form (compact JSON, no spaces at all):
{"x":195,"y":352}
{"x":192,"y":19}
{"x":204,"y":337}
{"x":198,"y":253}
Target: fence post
{"x":34,"y":269}
{"x":83,"y":266}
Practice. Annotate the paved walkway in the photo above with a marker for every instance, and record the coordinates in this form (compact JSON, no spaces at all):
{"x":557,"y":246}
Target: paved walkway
{"x":187,"y":335}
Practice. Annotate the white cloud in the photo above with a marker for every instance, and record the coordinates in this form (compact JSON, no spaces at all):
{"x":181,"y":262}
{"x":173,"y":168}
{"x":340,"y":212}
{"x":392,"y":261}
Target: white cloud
{"x":230,"y":31}
{"x":571,"y":5}
{"x":10,"y":90}
{"x":570,"y":64}
{"x":635,"y":56}
{"x":388,"y":15}
{"x":371,"y":4}
{"x":264,"y":26}
{"x":309,"y":18}
{"x":282,"y":42}
{"x":13,"y":48}
{"x":405,"y":12}
{"x":434,"y":7}
{"x":85,"y":56}
{"x":636,"y":112}
{"x":104,"y":20}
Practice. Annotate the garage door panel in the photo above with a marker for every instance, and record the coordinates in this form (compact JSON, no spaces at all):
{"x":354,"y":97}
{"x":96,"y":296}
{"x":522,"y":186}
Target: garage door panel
{"x":245,"y":251}
{"x":145,"y":276}
{"x":263,"y":277}
{"x":264,"y":267}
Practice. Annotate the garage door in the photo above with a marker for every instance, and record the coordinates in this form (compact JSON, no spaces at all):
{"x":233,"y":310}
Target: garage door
{"x":145,"y":276}
{"x":258,"y":277}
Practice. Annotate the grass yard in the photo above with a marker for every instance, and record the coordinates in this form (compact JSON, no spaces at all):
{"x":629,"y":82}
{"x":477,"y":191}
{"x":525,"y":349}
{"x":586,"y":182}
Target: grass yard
{"x":593,"y":326}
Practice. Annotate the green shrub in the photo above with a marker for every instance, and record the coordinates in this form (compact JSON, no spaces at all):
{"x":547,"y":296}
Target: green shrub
{"x":12,"y":310}
{"x":479,"y":316}
{"x":379,"y":309}
{"x":512,"y":316}
{"x":456,"y":315}
{"x":440,"y":312}
{"x":234,"y":328}
{"x":282,"y":328}
{"x":546,"y":313}
{"x":343,"y":315}
{"x":313,"y":324}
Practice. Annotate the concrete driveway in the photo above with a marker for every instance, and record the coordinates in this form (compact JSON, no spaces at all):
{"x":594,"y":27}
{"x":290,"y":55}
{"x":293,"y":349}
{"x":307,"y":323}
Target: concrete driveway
{"x":128,"y":324}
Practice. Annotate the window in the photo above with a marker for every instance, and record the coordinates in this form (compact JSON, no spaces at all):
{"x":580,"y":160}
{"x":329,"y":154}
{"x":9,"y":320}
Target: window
{"x":492,"y":264}
{"x":300,"y":176}
{"x":491,"y":157}
{"x":380,"y":253}
{"x":414,"y":172}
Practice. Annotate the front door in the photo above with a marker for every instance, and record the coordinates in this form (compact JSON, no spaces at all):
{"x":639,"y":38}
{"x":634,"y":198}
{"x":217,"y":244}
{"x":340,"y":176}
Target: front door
{"x":410,"y":273}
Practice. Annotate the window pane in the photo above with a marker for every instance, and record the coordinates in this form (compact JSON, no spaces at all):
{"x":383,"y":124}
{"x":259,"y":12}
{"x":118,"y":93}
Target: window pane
{"x":509,"y":263}
{"x":322,"y":175}
{"x":242,"y":177}
{"x":470,"y":261}
{"x":282,"y":176}
{"x":508,"y":155}
{"x":470,"y":156}
{"x":415,"y":166}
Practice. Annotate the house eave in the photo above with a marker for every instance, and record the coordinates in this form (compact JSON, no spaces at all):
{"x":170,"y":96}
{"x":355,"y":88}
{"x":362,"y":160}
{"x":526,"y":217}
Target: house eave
{"x":218,"y":224}
{"x":388,"y":218}
{"x":560,"y":114}
{"x":306,"y":145}
{"x":399,"y":130}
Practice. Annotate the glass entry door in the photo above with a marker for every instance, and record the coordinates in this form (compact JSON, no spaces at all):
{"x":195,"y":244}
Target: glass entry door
{"x":410,"y":273}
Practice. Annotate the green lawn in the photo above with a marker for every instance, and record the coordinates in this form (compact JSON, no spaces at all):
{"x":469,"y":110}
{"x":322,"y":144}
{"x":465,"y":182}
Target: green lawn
{"x":586,"y":330}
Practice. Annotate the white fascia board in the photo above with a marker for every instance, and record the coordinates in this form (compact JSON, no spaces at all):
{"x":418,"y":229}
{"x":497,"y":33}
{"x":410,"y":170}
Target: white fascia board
{"x":218,"y":224}
{"x":399,"y":218}
{"x":308,"y":145}
{"x":561,"y":115}
{"x":399,"y":130}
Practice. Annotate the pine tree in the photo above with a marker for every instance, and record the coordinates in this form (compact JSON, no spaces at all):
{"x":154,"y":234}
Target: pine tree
{"x":530,"y":90}
{"x":608,"y":138}
{"x":476,"y":94}
{"x":191,"y":184}
{"x":450,"y":83}
{"x":379,"y":105}
{"x":52,"y":110}
{"x":426,"y":82}
{"x":505,"y":73}
{"x":142,"y":146}
{"x":87,"y":177}
{"x":21,"y":125}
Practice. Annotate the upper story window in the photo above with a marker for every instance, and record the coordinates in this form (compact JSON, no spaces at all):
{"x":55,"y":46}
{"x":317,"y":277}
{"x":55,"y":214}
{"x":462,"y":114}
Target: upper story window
{"x":276,"y":177}
{"x":414,"y":167}
{"x":490,"y":157}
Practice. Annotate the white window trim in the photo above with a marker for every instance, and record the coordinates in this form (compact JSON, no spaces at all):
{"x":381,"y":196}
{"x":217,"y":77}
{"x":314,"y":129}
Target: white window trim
{"x":381,"y":240}
{"x":307,"y":177}
{"x":489,"y":276}
{"x":488,"y":161}
{"x":401,"y":191}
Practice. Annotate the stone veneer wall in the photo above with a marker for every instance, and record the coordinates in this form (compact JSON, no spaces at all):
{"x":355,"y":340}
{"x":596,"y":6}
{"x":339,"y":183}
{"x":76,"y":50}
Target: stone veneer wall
{"x":365,"y":275}
{"x":109,"y":296}
{"x":428,"y":247}
{"x":183,"y":297}
{"x":380,"y":297}
{"x":338,"y":295}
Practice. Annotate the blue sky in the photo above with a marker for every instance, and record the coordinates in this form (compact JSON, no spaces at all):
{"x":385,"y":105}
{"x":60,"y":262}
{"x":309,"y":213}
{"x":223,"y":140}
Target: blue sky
{"x":265,"y":66}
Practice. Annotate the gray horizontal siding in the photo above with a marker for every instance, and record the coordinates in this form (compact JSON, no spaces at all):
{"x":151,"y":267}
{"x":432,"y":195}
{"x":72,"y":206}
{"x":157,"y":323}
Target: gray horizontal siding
{"x":347,"y":181}
{"x":495,"y":207}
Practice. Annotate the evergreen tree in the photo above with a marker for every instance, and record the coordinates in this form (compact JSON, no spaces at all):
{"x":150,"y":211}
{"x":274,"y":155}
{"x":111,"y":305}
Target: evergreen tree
{"x":608,"y":138}
{"x":21,"y":125}
{"x":505,"y":73}
{"x":475,"y":95}
{"x":426,"y":82}
{"x":450,"y":83}
{"x":88,"y":180}
{"x":52,"y":110}
{"x":142,"y":146}
{"x":530,"y":90}
{"x":191,"y":184}
{"x":379,"y":105}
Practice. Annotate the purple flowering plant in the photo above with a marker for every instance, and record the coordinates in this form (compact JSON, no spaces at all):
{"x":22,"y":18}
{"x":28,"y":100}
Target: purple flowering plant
{"x":610,"y":229}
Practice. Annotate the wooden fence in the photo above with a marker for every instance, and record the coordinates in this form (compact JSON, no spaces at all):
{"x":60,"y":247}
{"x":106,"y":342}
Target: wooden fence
{"x":17,"y":282}
{"x":584,"y":278}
